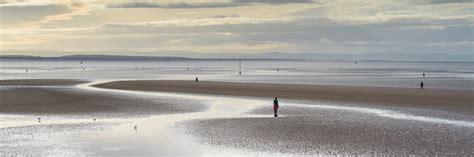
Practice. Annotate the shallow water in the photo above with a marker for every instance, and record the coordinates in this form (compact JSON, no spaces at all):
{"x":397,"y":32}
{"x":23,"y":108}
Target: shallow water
{"x":446,"y":75}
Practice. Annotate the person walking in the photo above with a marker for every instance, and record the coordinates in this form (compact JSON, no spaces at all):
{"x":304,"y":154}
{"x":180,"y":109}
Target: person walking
{"x":421,"y":85}
{"x":275,"y":107}
{"x":197,"y":79}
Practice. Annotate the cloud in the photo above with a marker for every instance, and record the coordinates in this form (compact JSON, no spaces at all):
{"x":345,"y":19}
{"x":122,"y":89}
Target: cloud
{"x":179,"y":5}
{"x":32,"y":14}
{"x":219,"y":21}
{"x":190,"y":5}
{"x":238,"y":34}
{"x":326,"y":41}
{"x":76,"y":9}
{"x":16,"y":13}
{"x":443,"y":1}
{"x":337,"y":26}
{"x":273,"y":1}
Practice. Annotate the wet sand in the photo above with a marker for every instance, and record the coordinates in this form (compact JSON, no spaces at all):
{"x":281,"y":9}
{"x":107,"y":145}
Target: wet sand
{"x":41,"y":82}
{"x":334,"y":135}
{"x":458,"y":100}
{"x":309,"y":130}
{"x":62,"y":97}
{"x":319,"y":131}
{"x":239,"y":122}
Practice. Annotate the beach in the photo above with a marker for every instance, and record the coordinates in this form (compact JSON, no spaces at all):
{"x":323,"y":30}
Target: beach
{"x":216,"y":118}
{"x":312,"y":131}
{"x":459,"y":100}
{"x":237,"y":78}
{"x":51,"y":96}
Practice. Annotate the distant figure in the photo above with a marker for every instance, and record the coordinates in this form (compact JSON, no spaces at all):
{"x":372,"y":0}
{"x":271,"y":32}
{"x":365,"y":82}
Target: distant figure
{"x":421,"y":85}
{"x":135,"y":127}
{"x":81,"y":62}
{"x":26,"y":70}
{"x":39,"y":120}
{"x":275,"y":107}
{"x":94,"y":119}
{"x":423,"y":74}
{"x":83,"y":69}
{"x":240,"y":72}
{"x":197,"y":79}
{"x":278,"y":69}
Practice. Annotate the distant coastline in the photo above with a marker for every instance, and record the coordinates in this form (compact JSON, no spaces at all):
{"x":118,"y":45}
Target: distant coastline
{"x":123,"y":58}
{"x":80,"y":57}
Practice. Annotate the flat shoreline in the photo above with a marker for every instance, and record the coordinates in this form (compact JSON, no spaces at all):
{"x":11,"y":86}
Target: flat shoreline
{"x":60,"y":96}
{"x":462,"y":100}
{"x":41,"y":82}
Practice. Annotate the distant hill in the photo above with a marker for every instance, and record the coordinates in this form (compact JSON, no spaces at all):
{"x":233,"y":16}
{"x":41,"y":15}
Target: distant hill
{"x":117,"y":57}
{"x":90,"y":57}
{"x":18,"y":57}
{"x":183,"y":55}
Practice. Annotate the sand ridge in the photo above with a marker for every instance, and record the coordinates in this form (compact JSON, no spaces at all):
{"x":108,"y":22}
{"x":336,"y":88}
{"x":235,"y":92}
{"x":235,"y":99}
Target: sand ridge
{"x":461,"y":100}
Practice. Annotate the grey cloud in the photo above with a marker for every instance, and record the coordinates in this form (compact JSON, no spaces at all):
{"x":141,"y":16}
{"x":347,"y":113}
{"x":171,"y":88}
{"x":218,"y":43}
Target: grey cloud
{"x":395,"y":35}
{"x":447,"y":1}
{"x":225,"y":16}
{"x":15,"y":13}
{"x":417,"y":33}
{"x":273,"y":1}
{"x":424,"y":2}
{"x":182,"y":5}
{"x":171,"y":5}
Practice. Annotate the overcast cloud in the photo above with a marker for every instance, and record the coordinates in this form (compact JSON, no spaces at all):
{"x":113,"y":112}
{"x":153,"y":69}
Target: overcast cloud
{"x":239,"y":26}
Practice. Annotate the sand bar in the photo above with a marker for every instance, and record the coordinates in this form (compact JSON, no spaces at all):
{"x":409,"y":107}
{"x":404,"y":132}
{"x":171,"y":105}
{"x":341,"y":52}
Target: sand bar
{"x":55,"y":96}
{"x":462,"y":100}
{"x":41,"y":82}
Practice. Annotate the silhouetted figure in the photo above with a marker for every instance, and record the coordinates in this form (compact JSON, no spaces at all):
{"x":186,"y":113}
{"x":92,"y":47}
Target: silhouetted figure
{"x":26,"y":70}
{"x":197,"y":79}
{"x":240,"y":72}
{"x":421,"y":85}
{"x":135,"y":127}
{"x":94,"y":119}
{"x":275,"y":107}
{"x":39,"y":120}
{"x":423,"y":74}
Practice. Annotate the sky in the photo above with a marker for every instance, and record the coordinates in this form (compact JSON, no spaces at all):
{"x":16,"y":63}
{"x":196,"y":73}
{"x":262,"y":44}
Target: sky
{"x":236,"y":26}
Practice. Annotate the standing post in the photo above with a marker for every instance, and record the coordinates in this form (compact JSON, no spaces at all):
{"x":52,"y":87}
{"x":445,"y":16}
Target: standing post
{"x":240,"y":67}
{"x":240,"y":64}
